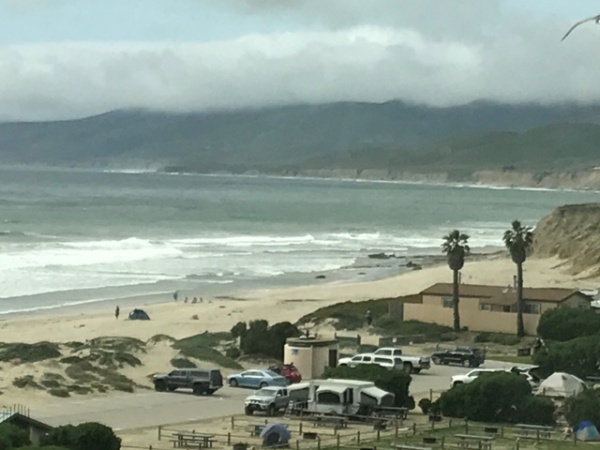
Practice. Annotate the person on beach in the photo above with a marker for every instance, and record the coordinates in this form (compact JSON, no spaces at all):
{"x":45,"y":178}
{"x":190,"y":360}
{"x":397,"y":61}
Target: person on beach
{"x":117,"y":312}
{"x":175,"y":296}
{"x":368,"y":318}
{"x":195,"y":300}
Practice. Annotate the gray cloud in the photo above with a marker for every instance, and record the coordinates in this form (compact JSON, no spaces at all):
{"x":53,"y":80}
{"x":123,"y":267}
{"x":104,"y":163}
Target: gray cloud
{"x":446,"y":58}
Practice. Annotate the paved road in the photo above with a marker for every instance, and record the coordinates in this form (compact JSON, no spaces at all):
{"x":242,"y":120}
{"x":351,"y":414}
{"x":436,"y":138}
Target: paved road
{"x":147,"y":409}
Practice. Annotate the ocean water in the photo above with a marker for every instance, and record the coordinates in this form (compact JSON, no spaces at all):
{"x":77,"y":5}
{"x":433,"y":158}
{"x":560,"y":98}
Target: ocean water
{"x":71,"y":237}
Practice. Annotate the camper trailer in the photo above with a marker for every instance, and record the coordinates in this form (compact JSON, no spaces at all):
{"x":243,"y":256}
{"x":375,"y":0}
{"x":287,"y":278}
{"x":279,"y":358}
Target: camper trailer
{"x":339,"y":397}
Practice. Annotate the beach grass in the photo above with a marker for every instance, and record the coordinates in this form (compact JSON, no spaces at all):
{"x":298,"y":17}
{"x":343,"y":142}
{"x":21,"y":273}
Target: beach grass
{"x":202,"y":347}
{"x":27,"y":353}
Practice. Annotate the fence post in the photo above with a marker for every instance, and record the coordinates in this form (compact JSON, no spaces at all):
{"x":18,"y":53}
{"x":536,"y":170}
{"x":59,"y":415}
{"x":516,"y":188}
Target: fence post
{"x":443,"y":441}
{"x":233,"y":422}
{"x":318,"y":443}
{"x":537,"y":436}
{"x":228,"y":438}
{"x":396,"y":428}
{"x":449,"y":423}
{"x":430,"y":395}
{"x":517,"y":444}
{"x":150,"y":447}
{"x":432,"y":424}
{"x":466,"y":426}
{"x":159,"y":432}
{"x":297,"y":444}
{"x":337,"y":441}
{"x":358,"y":436}
{"x":501,"y":432}
{"x":414,"y":427}
{"x":300,"y":428}
{"x":378,"y":434}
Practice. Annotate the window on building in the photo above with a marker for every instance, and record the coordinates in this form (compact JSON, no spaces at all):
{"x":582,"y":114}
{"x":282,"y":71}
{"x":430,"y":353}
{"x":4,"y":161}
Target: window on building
{"x":531,"y":308}
{"x":485,"y":307}
{"x":447,"y":302}
{"x":506,"y":309}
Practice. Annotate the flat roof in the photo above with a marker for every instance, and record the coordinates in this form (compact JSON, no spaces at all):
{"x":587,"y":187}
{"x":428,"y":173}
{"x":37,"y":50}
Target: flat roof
{"x":310,"y":341}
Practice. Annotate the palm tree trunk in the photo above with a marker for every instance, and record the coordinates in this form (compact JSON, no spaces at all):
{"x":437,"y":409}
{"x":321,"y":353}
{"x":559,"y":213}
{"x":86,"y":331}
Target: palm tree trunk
{"x":520,"y":324}
{"x":455,"y":300}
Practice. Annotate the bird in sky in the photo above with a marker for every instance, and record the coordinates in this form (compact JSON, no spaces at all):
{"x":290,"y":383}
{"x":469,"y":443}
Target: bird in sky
{"x":589,"y":19}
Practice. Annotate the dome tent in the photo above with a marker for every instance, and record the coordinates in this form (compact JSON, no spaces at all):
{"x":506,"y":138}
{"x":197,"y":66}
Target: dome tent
{"x":561,"y":384}
{"x":138,"y":314}
{"x":587,"y":431}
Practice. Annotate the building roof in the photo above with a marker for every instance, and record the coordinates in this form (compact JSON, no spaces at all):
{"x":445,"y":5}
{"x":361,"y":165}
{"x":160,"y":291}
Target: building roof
{"x":504,"y":295}
{"x":10,"y":416}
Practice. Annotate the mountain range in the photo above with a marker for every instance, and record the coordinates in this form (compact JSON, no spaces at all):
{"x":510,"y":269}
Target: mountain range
{"x":358,"y":136}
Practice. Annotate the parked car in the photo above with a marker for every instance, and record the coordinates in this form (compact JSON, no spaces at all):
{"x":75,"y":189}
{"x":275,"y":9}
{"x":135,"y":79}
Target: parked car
{"x":353,"y":361}
{"x":200,"y":381}
{"x":408,"y":363}
{"x":256,"y":379}
{"x":471,"y":376}
{"x":465,"y":356}
{"x":269,"y":400}
{"x":288,"y":371}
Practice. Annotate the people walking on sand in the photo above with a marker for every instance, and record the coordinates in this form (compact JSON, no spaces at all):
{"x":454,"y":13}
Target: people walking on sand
{"x":186,"y":300}
{"x":175,"y":295}
{"x":368,"y":317}
{"x":195,"y":300}
{"x":117,"y":312}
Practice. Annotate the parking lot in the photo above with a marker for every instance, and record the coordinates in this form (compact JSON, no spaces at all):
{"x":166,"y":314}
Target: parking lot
{"x":149,"y":408}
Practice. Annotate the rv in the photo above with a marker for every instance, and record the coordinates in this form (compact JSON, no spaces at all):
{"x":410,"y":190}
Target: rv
{"x":339,"y":397}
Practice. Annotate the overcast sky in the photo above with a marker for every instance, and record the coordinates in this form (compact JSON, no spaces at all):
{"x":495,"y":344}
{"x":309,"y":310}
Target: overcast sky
{"x":72,"y":58}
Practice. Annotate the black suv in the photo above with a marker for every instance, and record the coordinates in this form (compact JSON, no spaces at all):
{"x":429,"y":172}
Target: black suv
{"x":200,"y":381}
{"x":465,"y":356}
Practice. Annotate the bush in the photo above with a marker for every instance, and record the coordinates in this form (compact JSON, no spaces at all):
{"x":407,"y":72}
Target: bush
{"x":13,"y":435}
{"x":232,"y":352}
{"x":183,"y":363}
{"x":258,"y":338}
{"x":59,"y":392}
{"x":497,"y":338}
{"x":579,"y":357}
{"x":425,"y":405}
{"x":392,"y":326}
{"x":39,"y":351}
{"x":564,"y":324}
{"x":349,"y":315}
{"x":584,"y":406}
{"x":25,"y":382}
{"x":496,"y":397}
{"x":392,"y":381}
{"x":87,"y":436}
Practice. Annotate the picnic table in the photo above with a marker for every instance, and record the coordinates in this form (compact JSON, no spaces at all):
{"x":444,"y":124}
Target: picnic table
{"x":533,"y":431}
{"x":391,"y":411}
{"x":182,"y":439}
{"x":474,"y":441}
{"x":336,"y":421}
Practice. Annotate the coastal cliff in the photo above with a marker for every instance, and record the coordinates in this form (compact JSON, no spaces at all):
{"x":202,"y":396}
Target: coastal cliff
{"x":585,"y":179}
{"x":571,"y":233}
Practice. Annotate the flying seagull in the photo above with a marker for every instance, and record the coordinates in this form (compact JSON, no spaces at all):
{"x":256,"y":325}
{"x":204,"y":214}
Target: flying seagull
{"x":589,"y":19}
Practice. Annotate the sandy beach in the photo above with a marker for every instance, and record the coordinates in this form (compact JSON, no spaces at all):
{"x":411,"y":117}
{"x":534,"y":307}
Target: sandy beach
{"x":178,"y":319}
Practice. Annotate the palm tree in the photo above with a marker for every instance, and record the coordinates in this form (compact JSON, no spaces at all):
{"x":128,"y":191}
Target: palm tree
{"x":518,"y":241}
{"x":455,"y":246}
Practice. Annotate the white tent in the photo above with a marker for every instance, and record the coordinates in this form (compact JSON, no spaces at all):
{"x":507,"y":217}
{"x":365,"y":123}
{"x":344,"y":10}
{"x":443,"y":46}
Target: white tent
{"x":561,"y":384}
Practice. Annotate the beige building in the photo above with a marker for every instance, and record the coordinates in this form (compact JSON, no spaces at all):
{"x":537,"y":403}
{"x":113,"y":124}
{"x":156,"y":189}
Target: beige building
{"x":491,"y":308}
{"x":311,"y":355}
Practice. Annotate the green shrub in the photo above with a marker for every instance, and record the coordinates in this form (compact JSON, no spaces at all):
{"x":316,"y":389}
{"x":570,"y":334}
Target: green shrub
{"x":258,"y":338}
{"x":16,"y":436}
{"x":183,"y":363}
{"x":583,"y":406}
{"x":392,"y":381}
{"x":232,"y":352}
{"x":39,"y":351}
{"x":25,"y":382}
{"x":496,"y":397}
{"x":125,"y":358}
{"x":201,"y":347}
{"x":87,"y":436}
{"x":83,"y":372}
{"x":352,"y":314}
{"x":579,"y":357}
{"x":425,"y":405}
{"x":564,"y":324}
{"x":397,"y":327}
{"x":59,"y":392}
{"x":161,"y":338}
{"x":497,"y":338}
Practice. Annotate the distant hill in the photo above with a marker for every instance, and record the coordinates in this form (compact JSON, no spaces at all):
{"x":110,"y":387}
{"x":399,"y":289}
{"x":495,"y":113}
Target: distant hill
{"x":393,"y":136}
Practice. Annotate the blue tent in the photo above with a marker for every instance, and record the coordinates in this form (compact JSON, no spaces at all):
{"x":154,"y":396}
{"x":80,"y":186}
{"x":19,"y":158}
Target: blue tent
{"x":587,"y":431}
{"x":275,"y":434}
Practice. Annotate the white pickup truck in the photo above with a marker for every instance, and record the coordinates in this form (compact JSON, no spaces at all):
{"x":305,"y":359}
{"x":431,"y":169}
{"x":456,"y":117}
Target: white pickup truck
{"x":389,"y":357}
